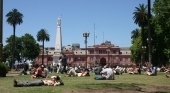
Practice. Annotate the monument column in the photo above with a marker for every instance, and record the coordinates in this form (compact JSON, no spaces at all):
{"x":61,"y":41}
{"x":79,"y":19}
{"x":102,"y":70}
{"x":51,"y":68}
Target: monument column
{"x":58,"y":45}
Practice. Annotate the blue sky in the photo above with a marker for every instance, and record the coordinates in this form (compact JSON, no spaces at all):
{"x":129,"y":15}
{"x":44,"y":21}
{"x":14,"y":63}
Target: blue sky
{"x":114,"y":18}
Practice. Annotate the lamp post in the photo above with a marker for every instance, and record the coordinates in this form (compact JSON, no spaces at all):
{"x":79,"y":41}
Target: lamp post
{"x":86,"y":34}
{"x":108,"y":50}
{"x":1,"y":29}
{"x":149,"y":40}
{"x":149,"y":32}
{"x":143,"y":53}
{"x":47,"y":57}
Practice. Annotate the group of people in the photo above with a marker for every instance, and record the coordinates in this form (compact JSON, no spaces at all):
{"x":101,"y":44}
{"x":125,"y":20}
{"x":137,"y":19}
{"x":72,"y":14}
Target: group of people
{"x":39,"y":72}
{"x":102,"y":72}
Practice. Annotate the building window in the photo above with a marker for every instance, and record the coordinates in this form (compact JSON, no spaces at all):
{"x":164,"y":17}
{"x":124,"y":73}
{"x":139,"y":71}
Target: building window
{"x":114,"y":51}
{"x":82,"y":58}
{"x":91,"y":59}
{"x":91,"y":51}
{"x":102,"y":52}
{"x":126,"y":59}
{"x":75,"y":59}
{"x":114,"y":59}
{"x":120,"y":59}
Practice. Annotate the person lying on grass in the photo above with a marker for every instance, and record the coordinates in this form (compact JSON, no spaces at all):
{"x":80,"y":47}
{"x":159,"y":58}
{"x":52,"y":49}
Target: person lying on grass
{"x":72,"y":72}
{"x":56,"y":80}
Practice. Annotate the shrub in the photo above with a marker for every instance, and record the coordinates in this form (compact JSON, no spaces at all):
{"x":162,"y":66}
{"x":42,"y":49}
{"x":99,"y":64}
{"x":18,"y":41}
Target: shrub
{"x":3,"y":70}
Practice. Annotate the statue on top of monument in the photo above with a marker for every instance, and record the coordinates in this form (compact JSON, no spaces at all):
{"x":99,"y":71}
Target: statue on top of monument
{"x":59,"y":21}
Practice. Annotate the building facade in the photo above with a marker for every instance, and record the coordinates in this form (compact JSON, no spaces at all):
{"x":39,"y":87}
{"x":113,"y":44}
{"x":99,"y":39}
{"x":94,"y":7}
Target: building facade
{"x":105,"y":53}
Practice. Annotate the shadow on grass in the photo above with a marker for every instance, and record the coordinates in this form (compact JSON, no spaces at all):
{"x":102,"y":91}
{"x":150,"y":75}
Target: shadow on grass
{"x":119,"y":86}
{"x":109,"y":85}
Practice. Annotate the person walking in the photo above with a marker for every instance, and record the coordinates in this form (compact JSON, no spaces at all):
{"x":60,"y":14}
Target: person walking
{"x":59,"y":64}
{"x":64,"y":64}
{"x":25,"y":68}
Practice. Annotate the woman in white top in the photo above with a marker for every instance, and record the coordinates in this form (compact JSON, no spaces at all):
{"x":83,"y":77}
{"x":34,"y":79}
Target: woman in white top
{"x":59,"y":64}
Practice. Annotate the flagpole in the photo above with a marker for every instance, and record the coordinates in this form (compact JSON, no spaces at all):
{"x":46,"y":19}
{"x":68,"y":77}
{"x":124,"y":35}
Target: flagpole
{"x":94,"y":45}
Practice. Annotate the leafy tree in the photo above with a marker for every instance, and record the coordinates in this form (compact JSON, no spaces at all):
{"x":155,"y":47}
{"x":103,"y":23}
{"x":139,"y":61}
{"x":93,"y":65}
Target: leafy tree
{"x":14,"y":17}
{"x":140,"y":18}
{"x":136,"y":46}
{"x":161,"y":22}
{"x":30,"y":47}
{"x":26,"y":48}
{"x":135,"y":34}
{"x":43,"y":35}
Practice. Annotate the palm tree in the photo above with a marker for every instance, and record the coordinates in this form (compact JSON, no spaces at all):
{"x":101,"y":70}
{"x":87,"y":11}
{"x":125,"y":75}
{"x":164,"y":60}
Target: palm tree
{"x":43,"y":35}
{"x":14,"y":18}
{"x":135,"y":33}
{"x":141,"y":18}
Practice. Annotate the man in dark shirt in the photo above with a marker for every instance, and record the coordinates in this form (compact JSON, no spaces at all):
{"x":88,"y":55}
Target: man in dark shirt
{"x":25,"y":68}
{"x":64,"y":64}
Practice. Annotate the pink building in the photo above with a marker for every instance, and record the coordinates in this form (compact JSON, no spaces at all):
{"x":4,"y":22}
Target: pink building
{"x":105,"y":53}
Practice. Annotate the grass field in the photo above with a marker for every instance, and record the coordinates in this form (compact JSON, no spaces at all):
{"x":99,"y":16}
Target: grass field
{"x":125,"y":83}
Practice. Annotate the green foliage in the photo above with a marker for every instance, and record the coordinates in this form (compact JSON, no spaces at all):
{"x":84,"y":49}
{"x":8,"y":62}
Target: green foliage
{"x":160,"y":32}
{"x":26,"y":48}
{"x":14,"y":17}
{"x":42,"y":36}
{"x":140,"y":15}
{"x":30,"y":47}
{"x":3,"y":70}
{"x":136,"y":50}
{"x":161,"y":22}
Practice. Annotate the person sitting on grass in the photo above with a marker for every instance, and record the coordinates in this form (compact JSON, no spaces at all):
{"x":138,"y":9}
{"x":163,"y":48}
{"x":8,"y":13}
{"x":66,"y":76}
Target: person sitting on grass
{"x":44,"y":71}
{"x":98,"y":69}
{"x":72,"y":72}
{"x":167,"y":70}
{"x":38,"y":73}
{"x":54,"y":82}
{"x":152,"y":71}
{"x":135,"y":70}
{"x":106,"y":74}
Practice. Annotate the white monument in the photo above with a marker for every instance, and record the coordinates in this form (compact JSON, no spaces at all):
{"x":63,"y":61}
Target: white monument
{"x":58,"y":45}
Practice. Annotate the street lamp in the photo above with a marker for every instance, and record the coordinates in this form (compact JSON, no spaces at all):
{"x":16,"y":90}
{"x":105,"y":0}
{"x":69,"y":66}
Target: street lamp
{"x":143,"y":54}
{"x":86,"y":34}
{"x":47,"y":57}
{"x":108,"y":50}
{"x":1,"y":29}
{"x":149,"y":40}
{"x":149,"y":32}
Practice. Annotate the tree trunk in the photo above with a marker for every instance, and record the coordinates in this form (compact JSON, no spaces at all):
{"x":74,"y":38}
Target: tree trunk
{"x":1,"y":30}
{"x":142,"y":52}
{"x":13,"y":48}
{"x":43,"y":54}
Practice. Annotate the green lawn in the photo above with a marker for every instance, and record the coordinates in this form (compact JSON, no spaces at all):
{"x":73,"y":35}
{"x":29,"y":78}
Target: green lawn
{"x":79,"y":83}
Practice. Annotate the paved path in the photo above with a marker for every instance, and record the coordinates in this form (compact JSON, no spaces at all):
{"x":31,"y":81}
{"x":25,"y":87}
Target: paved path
{"x":13,"y":73}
